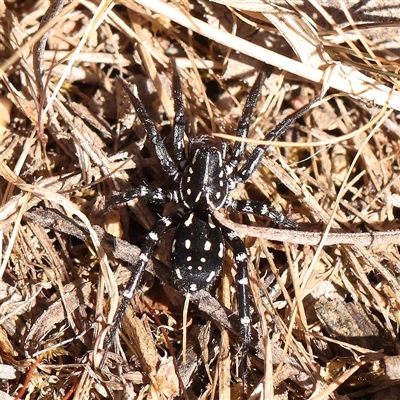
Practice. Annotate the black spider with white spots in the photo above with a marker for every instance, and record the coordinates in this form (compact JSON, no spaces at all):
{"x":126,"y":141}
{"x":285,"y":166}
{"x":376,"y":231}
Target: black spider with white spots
{"x":205,"y":179}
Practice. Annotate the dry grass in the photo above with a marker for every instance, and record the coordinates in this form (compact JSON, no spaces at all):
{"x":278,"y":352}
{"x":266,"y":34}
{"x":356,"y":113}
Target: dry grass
{"x":326,"y":297}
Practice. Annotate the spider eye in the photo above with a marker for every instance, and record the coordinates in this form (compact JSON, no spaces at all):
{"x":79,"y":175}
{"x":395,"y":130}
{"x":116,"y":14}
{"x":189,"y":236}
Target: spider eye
{"x":203,"y":142}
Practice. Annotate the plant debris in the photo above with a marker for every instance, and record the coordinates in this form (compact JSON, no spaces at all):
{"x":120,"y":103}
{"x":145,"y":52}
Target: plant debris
{"x":326,"y":308}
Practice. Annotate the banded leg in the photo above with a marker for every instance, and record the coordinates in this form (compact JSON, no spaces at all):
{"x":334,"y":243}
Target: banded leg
{"x":260,"y":208}
{"x":164,"y":158}
{"x":225,"y":149}
{"x":244,"y":124}
{"x":151,"y":193}
{"x":159,"y":228}
{"x":179,"y":119}
{"x":256,"y":156}
{"x":243,"y":294}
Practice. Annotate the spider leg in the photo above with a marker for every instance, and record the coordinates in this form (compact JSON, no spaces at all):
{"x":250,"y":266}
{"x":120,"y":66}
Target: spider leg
{"x":256,"y":156}
{"x":179,"y":119}
{"x":243,"y":294}
{"x":244,"y":124}
{"x":151,"y":193}
{"x":164,"y":158}
{"x":224,"y":149}
{"x":260,"y":208}
{"x":158,"y":230}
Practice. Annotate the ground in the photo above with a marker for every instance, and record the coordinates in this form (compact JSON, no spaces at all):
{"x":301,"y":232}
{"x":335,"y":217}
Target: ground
{"x":325,"y":312}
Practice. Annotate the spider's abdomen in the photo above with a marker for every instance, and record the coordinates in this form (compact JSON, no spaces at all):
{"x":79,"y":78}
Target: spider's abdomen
{"x":197,"y":253}
{"x":204,"y":181}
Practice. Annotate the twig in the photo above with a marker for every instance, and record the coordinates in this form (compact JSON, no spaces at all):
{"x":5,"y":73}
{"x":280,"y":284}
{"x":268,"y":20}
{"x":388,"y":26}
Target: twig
{"x":312,"y":238}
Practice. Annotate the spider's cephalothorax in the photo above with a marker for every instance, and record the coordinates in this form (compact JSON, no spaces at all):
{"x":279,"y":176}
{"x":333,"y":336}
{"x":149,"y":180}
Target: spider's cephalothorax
{"x":204,"y":181}
{"x":205,"y":178}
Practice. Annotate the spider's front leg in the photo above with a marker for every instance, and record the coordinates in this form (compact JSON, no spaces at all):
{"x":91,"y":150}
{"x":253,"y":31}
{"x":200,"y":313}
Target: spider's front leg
{"x":179,"y":119}
{"x":254,"y":161}
{"x":166,"y":162}
{"x":244,"y":125}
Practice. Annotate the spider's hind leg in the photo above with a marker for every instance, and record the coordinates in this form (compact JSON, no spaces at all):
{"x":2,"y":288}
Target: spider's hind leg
{"x":243,"y":296}
{"x":147,"y":248}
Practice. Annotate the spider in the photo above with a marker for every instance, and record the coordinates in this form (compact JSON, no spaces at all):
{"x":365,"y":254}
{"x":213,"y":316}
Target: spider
{"x":204,"y":180}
